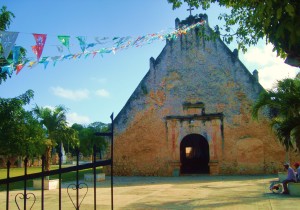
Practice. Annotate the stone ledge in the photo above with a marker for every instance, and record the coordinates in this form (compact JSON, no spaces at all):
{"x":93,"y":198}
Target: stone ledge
{"x":90,"y":177}
{"x":51,"y":184}
{"x":294,"y":189}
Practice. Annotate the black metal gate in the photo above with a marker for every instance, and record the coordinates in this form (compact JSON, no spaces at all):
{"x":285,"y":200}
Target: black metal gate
{"x":74,"y":186}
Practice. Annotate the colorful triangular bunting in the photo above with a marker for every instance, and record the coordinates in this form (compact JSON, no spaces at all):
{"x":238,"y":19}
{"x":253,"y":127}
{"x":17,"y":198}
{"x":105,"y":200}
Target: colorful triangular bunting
{"x":40,"y":40}
{"x":8,"y":40}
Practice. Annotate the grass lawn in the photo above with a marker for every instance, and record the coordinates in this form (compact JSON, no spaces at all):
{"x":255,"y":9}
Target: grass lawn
{"x":70,"y":176}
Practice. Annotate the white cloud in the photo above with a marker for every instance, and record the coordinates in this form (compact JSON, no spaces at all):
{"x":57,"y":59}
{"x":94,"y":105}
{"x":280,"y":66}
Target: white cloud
{"x":49,"y":107}
{"x":102,"y":93}
{"x":70,"y":94}
{"x":261,"y":56}
{"x":75,"y":118}
{"x":269,"y":75}
{"x":270,"y":67}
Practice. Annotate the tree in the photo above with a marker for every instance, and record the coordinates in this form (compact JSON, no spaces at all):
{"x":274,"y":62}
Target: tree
{"x":20,"y":133}
{"x":5,"y":21}
{"x":56,"y":127}
{"x":284,"y":105}
{"x":88,"y":139}
{"x":5,"y":18}
{"x":67,"y":136}
{"x":276,"y":20}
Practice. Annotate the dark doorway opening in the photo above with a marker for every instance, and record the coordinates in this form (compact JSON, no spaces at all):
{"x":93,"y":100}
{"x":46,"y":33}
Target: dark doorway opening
{"x":194,"y":155}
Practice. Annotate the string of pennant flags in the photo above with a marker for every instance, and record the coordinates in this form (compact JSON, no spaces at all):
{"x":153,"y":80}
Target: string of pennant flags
{"x":17,"y":63}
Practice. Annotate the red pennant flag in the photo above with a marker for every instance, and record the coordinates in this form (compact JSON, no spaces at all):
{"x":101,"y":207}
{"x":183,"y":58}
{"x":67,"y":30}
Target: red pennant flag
{"x":34,"y":49}
{"x":40,"y":40}
{"x":19,"y":67}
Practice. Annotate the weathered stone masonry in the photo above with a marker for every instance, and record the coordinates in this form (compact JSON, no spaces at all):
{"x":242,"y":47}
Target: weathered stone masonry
{"x":198,"y":90}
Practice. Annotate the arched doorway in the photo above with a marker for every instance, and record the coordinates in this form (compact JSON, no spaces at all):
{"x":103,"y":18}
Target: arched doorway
{"x":194,"y":155}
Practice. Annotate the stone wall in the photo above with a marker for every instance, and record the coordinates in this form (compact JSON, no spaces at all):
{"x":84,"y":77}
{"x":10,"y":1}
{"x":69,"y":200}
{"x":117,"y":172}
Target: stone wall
{"x":209,"y":77}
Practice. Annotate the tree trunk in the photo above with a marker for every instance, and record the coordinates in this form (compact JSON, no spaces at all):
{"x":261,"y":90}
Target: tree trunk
{"x":47,"y":158}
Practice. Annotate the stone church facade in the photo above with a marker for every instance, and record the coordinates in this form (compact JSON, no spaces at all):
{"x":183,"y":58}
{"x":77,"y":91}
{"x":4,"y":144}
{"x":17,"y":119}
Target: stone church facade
{"x":191,"y":114}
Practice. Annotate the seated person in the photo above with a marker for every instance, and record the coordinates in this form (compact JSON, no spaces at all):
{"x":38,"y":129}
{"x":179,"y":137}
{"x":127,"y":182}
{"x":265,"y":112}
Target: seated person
{"x":291,"y":177}
{"x":297,"y":170}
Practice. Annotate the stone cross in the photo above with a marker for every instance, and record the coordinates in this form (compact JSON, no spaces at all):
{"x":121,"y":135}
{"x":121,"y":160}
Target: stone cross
{"x":190,"y":9}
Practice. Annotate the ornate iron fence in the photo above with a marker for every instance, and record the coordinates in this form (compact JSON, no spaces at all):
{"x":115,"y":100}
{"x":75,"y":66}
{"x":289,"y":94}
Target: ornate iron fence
{"x":22,"y":198}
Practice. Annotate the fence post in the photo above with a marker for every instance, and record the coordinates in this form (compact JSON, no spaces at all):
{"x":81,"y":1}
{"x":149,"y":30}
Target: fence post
{"x":77,"y":179}
{"x":25,"y":182}
{"x":112,"y":161}
{"x":43,"y":179}
{"x":7,"y":185}
{"x":59,"y":176}
{"x":94,"y":171}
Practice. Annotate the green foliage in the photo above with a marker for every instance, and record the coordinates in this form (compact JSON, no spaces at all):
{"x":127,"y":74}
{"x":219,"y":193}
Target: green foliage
{"x":66,"y":135}
{"x":88,"y":139}
{"x":54,"y":120}
{"x":20,"y":133}
{"x":276,"y":20}
{"x":284,"y":101}
{"x":5,"y":18}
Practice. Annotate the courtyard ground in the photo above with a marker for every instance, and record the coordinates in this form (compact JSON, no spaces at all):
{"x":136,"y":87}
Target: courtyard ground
{"x":184,"y":192}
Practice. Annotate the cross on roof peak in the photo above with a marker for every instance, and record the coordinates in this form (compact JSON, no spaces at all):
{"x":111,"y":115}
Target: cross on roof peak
{"x":190,"y":9}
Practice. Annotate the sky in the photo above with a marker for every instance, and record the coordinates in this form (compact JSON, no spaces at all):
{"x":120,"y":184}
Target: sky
{"x":93,"y":88}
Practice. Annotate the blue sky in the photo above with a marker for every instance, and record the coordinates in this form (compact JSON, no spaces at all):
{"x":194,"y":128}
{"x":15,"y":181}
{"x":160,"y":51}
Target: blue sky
{"x":93,"y":88}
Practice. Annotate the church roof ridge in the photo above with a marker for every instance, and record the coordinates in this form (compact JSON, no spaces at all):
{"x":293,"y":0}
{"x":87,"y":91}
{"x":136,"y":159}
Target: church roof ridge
{"x":190,"y":20}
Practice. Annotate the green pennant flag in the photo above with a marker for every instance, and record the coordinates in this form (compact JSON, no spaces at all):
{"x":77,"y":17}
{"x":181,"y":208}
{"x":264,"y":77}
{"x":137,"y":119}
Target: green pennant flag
{"x":64,"y":40}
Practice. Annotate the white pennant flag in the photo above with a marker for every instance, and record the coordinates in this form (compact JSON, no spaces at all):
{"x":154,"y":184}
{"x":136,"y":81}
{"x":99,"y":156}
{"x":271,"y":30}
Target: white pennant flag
{"x":8,"y":40}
